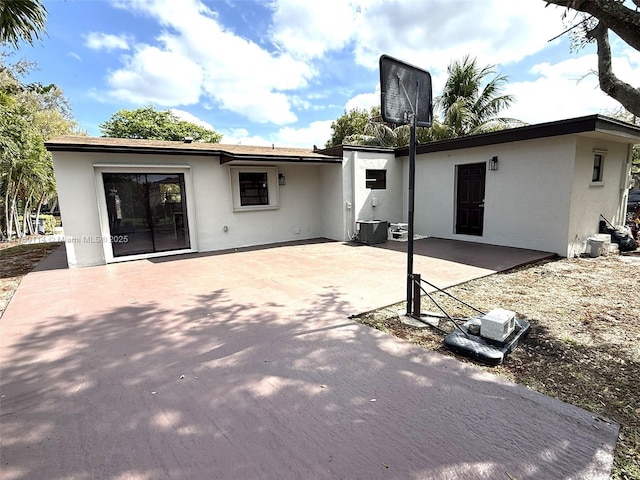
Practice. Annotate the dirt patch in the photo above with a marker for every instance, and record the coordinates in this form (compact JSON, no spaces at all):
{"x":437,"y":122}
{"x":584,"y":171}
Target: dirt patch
{"x":16,"y":260}
{"x":583,"y":347}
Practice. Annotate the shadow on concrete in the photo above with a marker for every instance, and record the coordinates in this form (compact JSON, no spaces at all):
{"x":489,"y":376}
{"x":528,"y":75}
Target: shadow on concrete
{"x":56,"y":260}
{"x":215,"y":253}
{"x":491,"y":257}
{"x":217,"y":389}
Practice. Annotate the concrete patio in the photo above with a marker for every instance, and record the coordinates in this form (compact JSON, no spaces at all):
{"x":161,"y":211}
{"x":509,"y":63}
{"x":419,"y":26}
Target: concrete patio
{"x":244,"y":365}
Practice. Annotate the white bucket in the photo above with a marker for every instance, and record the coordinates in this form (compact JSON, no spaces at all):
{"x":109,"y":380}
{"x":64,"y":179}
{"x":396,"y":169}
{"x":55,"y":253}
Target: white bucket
{"x":594,"y":246}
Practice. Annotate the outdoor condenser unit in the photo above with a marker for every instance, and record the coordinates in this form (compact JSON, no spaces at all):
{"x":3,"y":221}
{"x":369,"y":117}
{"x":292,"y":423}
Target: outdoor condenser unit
{"x":371,"y":232}
{"x":497,"y":324}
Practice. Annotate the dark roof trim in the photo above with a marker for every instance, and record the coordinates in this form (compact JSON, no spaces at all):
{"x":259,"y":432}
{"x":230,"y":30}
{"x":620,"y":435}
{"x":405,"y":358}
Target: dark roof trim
{"x":338,"y":150}
{"x":144,"y":150}
{"x":227,"y":158}
{"x":591,"y":123}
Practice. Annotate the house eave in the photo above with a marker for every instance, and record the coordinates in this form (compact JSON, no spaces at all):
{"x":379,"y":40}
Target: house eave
{"x":71,"y":147}
{"x":573,"y":126}
{"x":225,"y":158}
{"x":226,"y":153}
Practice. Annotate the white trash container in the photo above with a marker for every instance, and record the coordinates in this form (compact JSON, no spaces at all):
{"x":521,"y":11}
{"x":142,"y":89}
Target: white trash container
{"x":594,"y":246}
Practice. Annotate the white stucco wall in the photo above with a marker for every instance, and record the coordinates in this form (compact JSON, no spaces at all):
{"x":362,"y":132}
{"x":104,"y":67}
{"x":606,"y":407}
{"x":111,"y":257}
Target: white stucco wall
{"x":78,"y":208}
{"x":301,"y":213}
{"x":589,"y":199}
{"x":527,"y":200}
{"x":333,"y":211}
{"x":388,"y":201}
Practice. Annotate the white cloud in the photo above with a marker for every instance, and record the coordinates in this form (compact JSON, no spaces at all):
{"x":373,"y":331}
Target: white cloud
{"x":106,"y":41}
{"x":364,"y":100}
{"x":153,"y":75}
{"x":428,"y":34}
{"x":317,"y":133}
{"x":188,"y":117}
{"x":309,"y":29}
{"x":197,"y":59}
{"x":241,"y":136}
{"x":565,"y":89}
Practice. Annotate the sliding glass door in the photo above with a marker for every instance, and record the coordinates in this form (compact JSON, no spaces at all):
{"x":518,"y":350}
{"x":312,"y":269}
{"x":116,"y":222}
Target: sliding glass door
{"x":147,"y":212}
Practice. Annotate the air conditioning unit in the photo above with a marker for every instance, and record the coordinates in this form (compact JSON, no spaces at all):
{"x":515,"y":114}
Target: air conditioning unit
{"x":371,"y":232}
{"x":497,"y":324}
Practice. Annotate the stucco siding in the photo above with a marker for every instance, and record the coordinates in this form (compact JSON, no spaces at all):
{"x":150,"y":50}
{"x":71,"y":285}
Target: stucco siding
{"x":388,"y":201}
{"x":297,"y":216}
{"x":590,"y":199}
{"x":78,"y":209}
{"x":300,"y":214}
{"x":332,"y":207}
{"x":527,"y":200}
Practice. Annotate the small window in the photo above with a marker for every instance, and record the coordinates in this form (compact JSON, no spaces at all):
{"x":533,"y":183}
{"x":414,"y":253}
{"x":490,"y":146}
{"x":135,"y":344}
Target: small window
{"x":598,"y":163}
{"x":376,"y":179}
{"x":254,"y":188}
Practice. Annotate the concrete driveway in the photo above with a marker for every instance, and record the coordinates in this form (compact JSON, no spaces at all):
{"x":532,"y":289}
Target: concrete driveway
{"x":244,"y":365}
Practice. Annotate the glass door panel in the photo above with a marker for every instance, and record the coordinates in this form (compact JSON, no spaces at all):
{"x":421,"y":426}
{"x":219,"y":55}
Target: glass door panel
{"x":168,"y":212}
{"x":147,"y":212}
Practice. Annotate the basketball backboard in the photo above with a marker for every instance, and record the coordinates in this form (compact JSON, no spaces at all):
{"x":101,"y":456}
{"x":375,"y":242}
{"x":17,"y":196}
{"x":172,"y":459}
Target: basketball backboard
{"x":405,"y":91}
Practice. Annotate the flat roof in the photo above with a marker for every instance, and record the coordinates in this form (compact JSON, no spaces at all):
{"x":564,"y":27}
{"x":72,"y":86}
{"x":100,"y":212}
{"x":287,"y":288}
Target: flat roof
{"x":596,"y":125}
{"x":338,"y":150}
{"x":226,"y":153}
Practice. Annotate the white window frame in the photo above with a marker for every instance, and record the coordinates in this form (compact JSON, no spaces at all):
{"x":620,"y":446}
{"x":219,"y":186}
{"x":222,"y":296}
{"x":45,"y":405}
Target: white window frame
{"x":602,"y":155}
{"x":371,"y":181}
{"x":272,"y":187}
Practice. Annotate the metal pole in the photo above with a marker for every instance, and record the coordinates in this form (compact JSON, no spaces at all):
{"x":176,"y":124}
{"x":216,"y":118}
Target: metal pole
{"x":416,"y":295}
{"x":412,"y":182}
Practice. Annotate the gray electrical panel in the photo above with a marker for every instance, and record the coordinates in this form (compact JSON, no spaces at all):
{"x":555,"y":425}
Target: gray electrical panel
{"x":371,"y":232}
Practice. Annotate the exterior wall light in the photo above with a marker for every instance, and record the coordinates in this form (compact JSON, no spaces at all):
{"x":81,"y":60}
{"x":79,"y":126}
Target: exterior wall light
{"x":493,"y":163}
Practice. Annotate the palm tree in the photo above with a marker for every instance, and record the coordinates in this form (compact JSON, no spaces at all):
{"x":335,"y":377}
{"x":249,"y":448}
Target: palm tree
{"x":467,"y":107}
{"x":21,"y":20}
{"x":469,"y":104}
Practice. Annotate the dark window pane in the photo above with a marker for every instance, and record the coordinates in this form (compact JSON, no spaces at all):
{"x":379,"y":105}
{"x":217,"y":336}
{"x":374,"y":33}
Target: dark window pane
{"x":147,"y":212}
{"x":376,"y":179}
{"x":597,"y":168}
{"x":254,"y":188}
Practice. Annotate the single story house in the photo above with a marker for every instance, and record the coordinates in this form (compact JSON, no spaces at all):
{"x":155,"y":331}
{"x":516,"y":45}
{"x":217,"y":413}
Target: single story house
{"x":540,"y":187}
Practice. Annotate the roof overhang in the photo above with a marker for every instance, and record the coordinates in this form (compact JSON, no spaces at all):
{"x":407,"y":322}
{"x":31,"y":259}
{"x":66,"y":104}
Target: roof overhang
{"x":226,"y":153}
{"x":592,"y":125}
{"x":239,"y":158}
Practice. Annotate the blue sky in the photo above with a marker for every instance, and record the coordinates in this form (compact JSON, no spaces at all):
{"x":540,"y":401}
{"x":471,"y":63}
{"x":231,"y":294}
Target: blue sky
{"x":280,"y":71}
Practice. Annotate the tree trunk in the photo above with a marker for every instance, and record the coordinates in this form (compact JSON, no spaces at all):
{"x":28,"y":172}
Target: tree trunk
{"x":7,"y":222}
{"x":16,"y":221}
{"x":627,"y":95}
{"x":13,"y":210}
{"x":27,"y":225}
{"x":43,"y":197}
{"x":623,"y":21}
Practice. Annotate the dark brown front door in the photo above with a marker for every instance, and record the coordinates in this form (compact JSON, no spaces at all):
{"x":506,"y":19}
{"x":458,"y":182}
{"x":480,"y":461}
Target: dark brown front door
{"x":470,"y":198}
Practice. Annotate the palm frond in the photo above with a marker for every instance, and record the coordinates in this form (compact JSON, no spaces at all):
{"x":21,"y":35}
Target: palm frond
{"x":21,"y":20}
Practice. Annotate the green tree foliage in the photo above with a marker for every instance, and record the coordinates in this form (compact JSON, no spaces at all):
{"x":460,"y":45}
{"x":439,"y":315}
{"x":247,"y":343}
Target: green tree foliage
{"x":625,"y":115}
{"x":21,"y":20}
{"x":152,"y":124}
{"x":30,"y":114}
{"x":470,"y":103}
{"x":351,"y":123}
